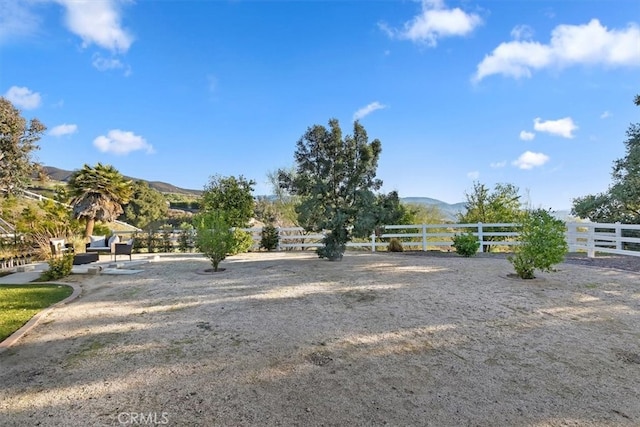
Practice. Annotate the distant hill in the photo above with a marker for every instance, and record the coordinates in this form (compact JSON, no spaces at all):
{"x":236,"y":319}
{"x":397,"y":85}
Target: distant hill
{"x":57,"y":174}
{"x":450,"y":210}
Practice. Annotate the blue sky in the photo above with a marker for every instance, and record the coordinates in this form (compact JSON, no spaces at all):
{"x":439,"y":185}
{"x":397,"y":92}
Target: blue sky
{"x":534,"y":93}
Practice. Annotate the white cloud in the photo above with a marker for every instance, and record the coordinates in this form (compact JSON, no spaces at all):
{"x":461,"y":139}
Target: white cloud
{"x":589,"y":44}
{"x":16,"y":20}
{"x":561,"y":127}
{"x":527,"y":136}
{"x":605,"y":115}
{"x":522,"y":32}
{"x":434,"y":22}
{"x":473,"y":175}
{"x":97,"y":22}
{"x":105,"y":64}
{"x":530,"y":160}
{"x":23,"y":97}
{"x":63,"y":129}
{"x":365,"y":111}
{"x":497,"y":165}
{"x":121,"y":142}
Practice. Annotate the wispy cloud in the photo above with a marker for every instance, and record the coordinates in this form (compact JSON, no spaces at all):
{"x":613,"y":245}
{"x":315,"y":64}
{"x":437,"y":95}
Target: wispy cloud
{"x":98,"y":22}
{"x":530,"y":160}
{"x":17,"y":20}
{"x":497,"y":165}
{"x":605,"y":115}
{"x":63,"y":129}
{"x":522,"y":32}
{"x":101,"y":63}
{"x":121,"y":142}
{"x":527,"y":136}
{"x":212,"y":83}
{"x":435,"y":21}
{"x":23,"y":97}
{"x":365,"y":111}
{"x":588,"y":44}
{"x":473,"y":175}
{"x":561,"y":127}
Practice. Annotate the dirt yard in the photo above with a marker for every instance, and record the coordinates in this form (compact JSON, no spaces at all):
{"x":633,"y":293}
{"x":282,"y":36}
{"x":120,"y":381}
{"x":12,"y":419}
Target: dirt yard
{"x":376,"y":339}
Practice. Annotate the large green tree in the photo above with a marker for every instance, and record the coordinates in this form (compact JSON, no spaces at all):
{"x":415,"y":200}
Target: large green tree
{"x":622,"y":200}
{"x":231,"y":196}
{"x":18,"y":139}
{"x":502,"y":205}
{"x":335,"y":179}
{"x":98,"y":194}
{"x":145,"y":206}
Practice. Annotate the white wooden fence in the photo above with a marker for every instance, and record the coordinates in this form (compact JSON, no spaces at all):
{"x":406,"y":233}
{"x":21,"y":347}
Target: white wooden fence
{"x":581,"y":237}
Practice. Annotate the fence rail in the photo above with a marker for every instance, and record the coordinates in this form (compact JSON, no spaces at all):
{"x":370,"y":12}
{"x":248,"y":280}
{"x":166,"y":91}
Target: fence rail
{"x":586,"y":237}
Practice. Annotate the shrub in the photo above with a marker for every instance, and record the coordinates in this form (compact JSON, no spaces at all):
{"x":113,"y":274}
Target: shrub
{"x":214,"y":238}
{"x":395,"y":245}
{"x":542,"y":244}
{"x":242,"y":242}
{"x":269,"y":238}
{"x":167,"y":244}
{"x":466,"y":244}
{"x":185,"y":238}
{"x":58,"y":268}
{"x":335,"y":243}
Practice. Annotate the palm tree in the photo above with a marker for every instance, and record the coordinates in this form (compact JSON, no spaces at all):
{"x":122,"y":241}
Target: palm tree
{"x":98,"y":194}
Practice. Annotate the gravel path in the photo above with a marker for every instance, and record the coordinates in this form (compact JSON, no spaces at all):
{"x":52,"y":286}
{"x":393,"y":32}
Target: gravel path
{"x":376,"y":339}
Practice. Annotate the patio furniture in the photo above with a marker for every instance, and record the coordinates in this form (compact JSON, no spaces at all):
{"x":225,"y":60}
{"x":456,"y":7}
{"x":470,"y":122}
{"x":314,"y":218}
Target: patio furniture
{"x":123,"y":249}
{"x":87,"y":258}
{"x":59,"y":247}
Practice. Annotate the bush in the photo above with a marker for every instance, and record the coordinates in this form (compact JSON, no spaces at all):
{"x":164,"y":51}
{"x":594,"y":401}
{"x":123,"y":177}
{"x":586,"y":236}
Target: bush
{"x":542,"y":244}
{"x":214,"y":238}
{"x":466,"y":244}
{"x":269,"y":239}
{"x":242,"y":242}
{"x":167,"y":232}
{"x":185,"y":239}
{"x":58,"y":268}
{"x":335,"y":243}
{"x":395,"y":245}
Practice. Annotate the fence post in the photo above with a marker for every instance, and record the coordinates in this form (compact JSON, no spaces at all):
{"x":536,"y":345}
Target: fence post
{"x":591,"y":246}
{"x":373,"y":241}
{"x":480,"y":236}
{"x":424,"y":237}
{"x":618,"y":236}
{"x":571,"y":236}
{"x":279,"y":231}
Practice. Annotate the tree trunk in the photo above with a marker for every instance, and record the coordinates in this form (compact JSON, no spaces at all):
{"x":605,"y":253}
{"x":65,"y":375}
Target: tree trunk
{"x":88,"y":231}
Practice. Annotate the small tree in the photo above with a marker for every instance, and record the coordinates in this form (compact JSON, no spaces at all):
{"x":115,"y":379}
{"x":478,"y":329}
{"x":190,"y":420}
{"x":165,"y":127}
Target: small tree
{"x":501,"y":205}
{"x":232,"y":196}
{"x":214,"y":238}
{"x":269,"y":238}
{"x":542,"y":244}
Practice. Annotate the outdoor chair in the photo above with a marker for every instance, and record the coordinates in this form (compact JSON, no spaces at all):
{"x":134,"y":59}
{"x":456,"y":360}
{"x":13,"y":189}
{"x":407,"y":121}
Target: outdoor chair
{"x":59,"y":247}
{"x":123,"y":249}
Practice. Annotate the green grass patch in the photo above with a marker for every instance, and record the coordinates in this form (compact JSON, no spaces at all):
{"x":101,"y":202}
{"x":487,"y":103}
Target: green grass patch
{"x":19,"y":303}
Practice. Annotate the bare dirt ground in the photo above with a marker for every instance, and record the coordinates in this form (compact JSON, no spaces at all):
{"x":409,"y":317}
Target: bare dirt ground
{"x":376,"y":339}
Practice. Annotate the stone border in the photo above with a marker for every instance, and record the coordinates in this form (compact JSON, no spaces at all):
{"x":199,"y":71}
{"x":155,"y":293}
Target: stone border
{"x":15,"y":337}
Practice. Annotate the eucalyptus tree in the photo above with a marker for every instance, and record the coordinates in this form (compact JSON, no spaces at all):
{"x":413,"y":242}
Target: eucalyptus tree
{"x":18,"y":139}
{"x":335,"y":178}
{"x":98,"y":194}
